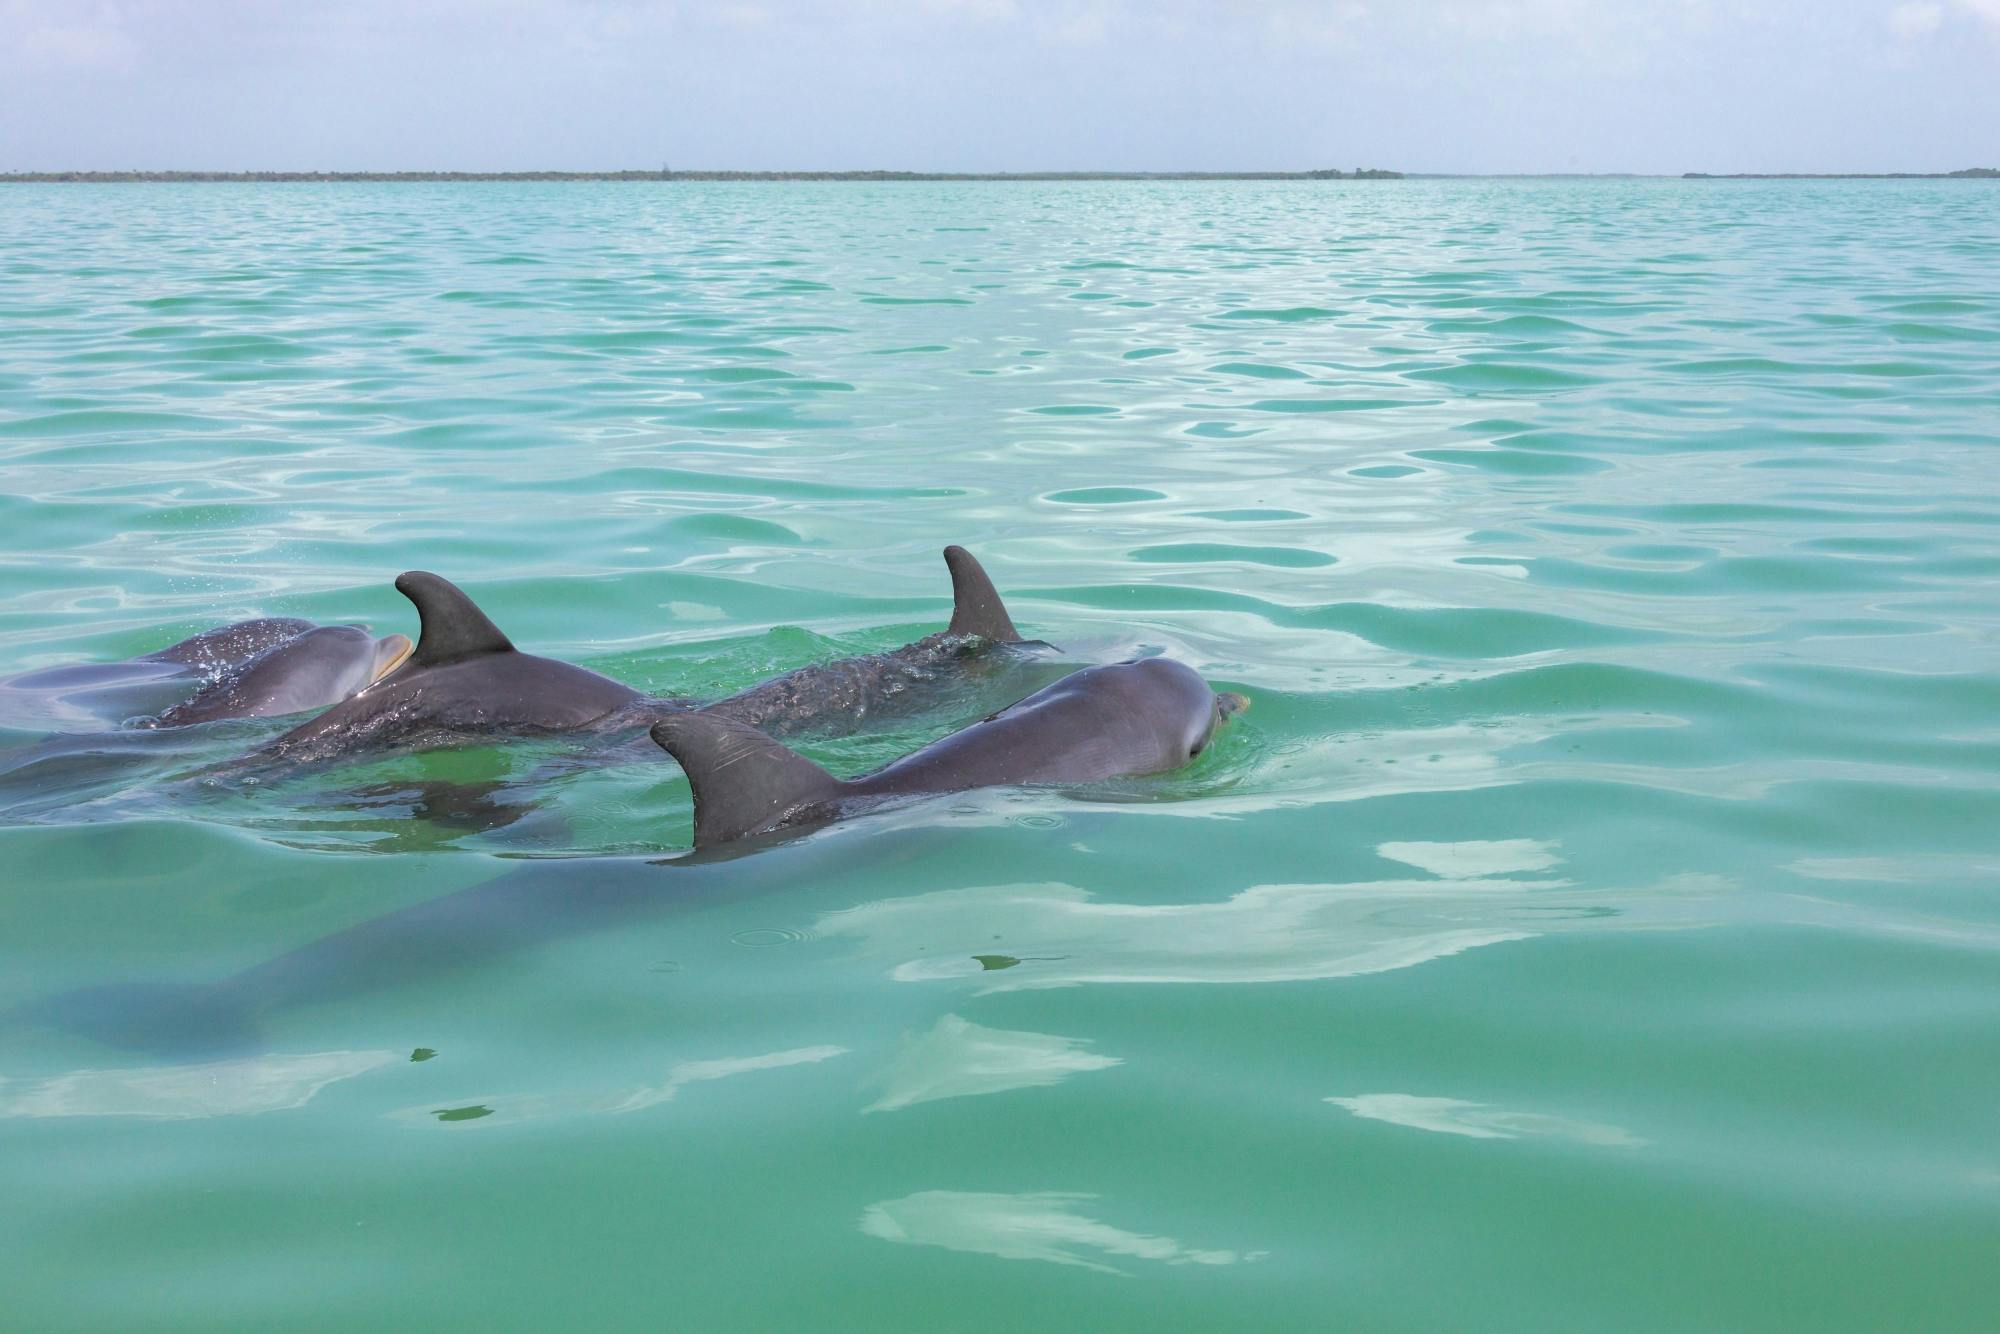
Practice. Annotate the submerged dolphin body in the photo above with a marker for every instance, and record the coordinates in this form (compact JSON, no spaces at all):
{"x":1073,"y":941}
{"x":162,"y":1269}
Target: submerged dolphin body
{"x":466,"y":677}
{"x":1104,"y":722}
{"x":524,"y":909}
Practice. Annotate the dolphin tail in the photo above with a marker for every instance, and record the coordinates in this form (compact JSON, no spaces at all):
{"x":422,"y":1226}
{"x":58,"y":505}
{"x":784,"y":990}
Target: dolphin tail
{"x":744,"y":783}
{"x":976,"y":607}
{"x":452,"y":625}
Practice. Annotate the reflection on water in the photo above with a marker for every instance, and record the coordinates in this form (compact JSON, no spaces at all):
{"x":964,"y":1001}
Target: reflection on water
{"x":1475,"y":858}
{"x":182,"y":1092}
{"x":1038,"y":1225}
{"x":536,"y":1106}
{"x":1477,"y":1120}
{"x":1651,"y":525}
{"x":957,"y":1059}
{"x":1269,"y":933}
{"x":91,"y":697}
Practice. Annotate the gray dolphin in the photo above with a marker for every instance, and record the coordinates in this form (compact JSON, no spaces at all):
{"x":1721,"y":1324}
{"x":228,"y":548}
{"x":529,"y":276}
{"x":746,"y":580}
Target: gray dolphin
{"x":324,"y":665}
{"x":1103,"y":722}
{"x":466,"y":676}
{"x":232,"y":645}
{"x":193,"y":1020}
{"x":248,"y":669}
{"x":882,"y":683}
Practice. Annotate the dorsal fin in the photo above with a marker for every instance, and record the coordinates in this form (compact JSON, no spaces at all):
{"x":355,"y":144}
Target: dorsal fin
{"x":744,"y":783}
{"x":453,"y":627}
{"x":976,"y":608}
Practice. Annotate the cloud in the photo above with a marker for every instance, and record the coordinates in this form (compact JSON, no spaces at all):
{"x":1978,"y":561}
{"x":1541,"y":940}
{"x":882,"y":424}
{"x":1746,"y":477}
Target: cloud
{"x":986,"y":11}
{"x":81,"y":37}
{"x":1317,"y":24}
{"x":1911,"y":21}
{"x":1986,"y":11}
{"x":1503,"y":85}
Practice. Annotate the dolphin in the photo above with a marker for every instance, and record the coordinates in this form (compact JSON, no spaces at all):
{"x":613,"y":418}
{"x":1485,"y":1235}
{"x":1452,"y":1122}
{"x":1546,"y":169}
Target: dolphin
{"x":232,"y":645}
{"x":324,"y":665}
{"x":466,"y":676}
{"x":1129,"y":718}
{"x":882,"y":683}
{"x":247,"y":669}
{"x":198,"y":1020}
{"x":1254,"y":933}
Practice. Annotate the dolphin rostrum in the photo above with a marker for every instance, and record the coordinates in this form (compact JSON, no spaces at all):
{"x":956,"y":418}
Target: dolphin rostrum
{"x":1125,"y":719}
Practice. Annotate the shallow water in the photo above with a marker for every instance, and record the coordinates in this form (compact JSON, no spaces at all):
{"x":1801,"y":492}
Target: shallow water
{"x":1591,"y":926}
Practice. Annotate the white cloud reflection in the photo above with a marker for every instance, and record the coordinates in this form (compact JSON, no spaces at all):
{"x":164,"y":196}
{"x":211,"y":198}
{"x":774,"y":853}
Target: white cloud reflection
{"x":1039,"y":1225}
{"x":502,"y":1108}
{"x":1478,"y":1120}
{"x":1268,"y":933}
{"x":186,"y":1092}
{"x":959,"y":1059}
{"x":1474,"y":858}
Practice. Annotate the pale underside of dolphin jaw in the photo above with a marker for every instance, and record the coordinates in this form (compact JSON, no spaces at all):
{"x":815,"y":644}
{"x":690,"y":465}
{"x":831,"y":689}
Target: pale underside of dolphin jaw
{"x":391,"y":652}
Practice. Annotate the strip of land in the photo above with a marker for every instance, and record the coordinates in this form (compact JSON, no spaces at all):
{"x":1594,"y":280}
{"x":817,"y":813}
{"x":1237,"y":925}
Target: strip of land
{"x":175,"y":177}
{"x":1360,"y":174}
{"x":1966,"y":174}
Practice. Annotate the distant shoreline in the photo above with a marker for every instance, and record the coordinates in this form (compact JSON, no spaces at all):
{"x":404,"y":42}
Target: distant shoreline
{"x":1366,"y":174}
{"x":180,"y":177}
{"x":1964,"y":174}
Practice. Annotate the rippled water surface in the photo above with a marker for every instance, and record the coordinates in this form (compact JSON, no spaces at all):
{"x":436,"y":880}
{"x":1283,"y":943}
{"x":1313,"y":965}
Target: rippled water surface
{"x":1591,"y":926}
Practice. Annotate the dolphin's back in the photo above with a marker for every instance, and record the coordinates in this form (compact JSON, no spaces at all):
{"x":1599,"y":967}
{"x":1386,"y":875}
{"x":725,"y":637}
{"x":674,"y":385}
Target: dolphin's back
{"x":1103,"y":722}
{"x":230,"y":645}
{"x":884,"y":684}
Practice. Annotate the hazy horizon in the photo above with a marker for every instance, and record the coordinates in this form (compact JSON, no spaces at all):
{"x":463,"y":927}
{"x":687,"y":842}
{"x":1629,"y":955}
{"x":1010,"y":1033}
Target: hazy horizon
{"x":1650,"y":87}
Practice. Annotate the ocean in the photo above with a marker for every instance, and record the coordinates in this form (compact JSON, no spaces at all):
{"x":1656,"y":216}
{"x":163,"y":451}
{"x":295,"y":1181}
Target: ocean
{"x":1592,"y":924}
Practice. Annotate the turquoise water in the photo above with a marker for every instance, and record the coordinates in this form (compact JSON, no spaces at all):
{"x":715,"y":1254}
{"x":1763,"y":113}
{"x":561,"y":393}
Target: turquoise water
{"x":1591,"y":926}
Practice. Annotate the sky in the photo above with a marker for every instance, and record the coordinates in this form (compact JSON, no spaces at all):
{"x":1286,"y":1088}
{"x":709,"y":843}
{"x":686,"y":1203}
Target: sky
{"x":1657,"y":86}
